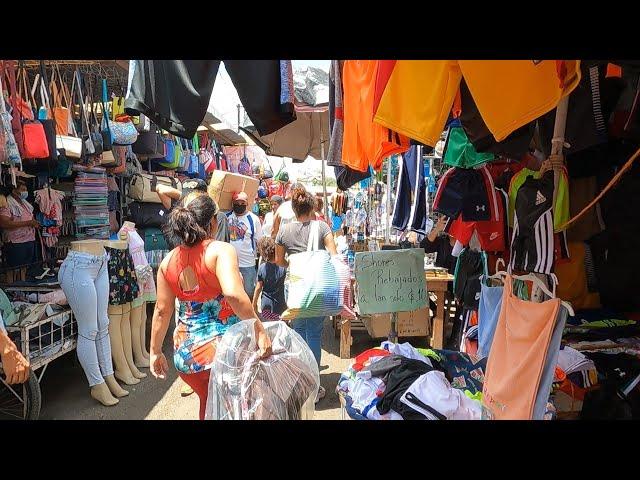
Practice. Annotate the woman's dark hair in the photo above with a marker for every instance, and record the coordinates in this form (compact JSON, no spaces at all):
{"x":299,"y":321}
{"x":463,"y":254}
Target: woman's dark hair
{"x":302,"y":201}
{"x":189,"y":221}
{"x":319,"y":204}
{"x":267,"y":248}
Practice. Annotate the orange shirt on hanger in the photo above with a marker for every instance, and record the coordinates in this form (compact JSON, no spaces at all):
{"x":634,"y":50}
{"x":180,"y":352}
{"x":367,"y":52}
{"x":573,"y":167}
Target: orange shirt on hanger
{"x":365,"y":142}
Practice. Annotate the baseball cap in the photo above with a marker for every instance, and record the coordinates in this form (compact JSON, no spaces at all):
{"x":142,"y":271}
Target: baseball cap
{"x":240,"y":196}
{"x":192,"y":184}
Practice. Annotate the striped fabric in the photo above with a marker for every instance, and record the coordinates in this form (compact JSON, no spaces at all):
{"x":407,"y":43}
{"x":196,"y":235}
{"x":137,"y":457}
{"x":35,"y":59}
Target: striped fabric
{"x":319,"y":285}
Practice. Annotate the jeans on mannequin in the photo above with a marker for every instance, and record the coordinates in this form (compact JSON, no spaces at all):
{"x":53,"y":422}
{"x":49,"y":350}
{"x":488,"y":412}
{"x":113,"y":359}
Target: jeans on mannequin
{"x":85,"y":282}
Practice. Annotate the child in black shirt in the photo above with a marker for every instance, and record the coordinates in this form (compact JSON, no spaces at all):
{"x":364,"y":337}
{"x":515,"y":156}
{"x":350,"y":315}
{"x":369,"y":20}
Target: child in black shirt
{"x":270,"y":282}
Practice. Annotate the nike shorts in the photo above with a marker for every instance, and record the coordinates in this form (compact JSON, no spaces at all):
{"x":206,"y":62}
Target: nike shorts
{"x":492,"y":234}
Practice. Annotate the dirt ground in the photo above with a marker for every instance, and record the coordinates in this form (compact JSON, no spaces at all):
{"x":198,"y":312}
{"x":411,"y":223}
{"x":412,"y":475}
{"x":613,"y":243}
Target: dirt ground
{"x":65,"y":394}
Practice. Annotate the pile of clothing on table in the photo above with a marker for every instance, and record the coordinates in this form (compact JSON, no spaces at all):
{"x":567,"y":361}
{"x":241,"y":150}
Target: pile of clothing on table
{"x":27,"y":309}
{"x":599,"y":366}
{"x":400,"y":382}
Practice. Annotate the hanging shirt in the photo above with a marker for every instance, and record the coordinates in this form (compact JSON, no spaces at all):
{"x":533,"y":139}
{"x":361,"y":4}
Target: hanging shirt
{"x":18,"y":211}
{"x":561,"y":208}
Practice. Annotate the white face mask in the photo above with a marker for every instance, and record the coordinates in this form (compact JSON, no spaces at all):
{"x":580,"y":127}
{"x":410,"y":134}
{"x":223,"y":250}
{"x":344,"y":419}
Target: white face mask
{"x":24,"y":195}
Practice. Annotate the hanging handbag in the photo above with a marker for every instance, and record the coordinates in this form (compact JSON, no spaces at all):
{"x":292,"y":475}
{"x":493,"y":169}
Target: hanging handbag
{"x":123,"y":131}
{"x":12,"y":153}
{"x":60,"y":109}
{"x":140,"y":187}
{"x":34,"y":139}
{"x":194,"y":162}
{"x":149,"y":143}
{"x":186,"y":158}
{"x":133,"y":166}
{"x":94,"y":126}
{"x":72,"y":144}
{"x":87,"y":142}
{"x":48,"y":123}
{"x":16,"y":119}
{"x":108,"y":159}
{"x":142,"y":123}
{"x":146,"y":215}
{"x":244,"y":167}
{"x":22,"y":97}
{"x":266,"y":170}
{"x":172,"y":162}
{"x":117,"y":108}
{"x":316,"y":281}
{"x":107,"y":137}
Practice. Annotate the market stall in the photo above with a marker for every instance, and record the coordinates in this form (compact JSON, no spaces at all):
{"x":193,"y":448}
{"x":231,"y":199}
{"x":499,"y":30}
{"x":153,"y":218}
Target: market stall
{"x":78,"y":172}
{"x":511,"y":182}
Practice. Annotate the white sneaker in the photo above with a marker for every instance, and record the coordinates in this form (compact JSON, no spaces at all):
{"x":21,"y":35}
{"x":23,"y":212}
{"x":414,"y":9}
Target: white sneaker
{"x":321,"y":394}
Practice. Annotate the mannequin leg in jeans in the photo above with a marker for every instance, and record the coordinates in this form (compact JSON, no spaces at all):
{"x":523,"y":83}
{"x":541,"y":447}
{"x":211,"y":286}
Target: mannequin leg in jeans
{"x":310,"y":329}
{"x":85,"y":283}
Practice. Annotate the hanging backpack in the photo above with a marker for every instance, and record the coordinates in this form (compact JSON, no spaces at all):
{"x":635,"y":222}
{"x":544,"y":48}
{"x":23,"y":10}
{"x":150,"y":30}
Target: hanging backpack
{"x":244,"y":167}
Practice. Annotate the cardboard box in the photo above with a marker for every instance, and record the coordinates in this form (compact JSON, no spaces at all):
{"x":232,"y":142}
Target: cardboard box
{"x":410,"y":324}
{"x":224,"y":184}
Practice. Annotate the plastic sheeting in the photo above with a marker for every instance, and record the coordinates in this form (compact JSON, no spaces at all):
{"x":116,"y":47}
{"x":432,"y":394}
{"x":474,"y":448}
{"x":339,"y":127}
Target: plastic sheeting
{"x":244,"y":387}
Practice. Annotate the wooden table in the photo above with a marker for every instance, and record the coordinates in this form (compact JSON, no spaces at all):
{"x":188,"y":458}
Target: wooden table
{"x":438,"y":285}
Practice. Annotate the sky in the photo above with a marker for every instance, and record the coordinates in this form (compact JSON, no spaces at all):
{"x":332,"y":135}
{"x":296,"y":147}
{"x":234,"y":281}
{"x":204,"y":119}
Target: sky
{"x":224,"y":101}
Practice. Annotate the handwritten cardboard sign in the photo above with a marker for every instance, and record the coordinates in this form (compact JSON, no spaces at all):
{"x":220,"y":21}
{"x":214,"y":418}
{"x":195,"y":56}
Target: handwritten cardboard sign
{"x":391,"y":281}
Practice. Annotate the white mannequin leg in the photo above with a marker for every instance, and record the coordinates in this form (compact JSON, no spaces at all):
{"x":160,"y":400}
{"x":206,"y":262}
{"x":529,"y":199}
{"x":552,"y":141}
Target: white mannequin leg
{"x":122,"y":371}
{"x":127,"y":342}
{"x":136,"y":341}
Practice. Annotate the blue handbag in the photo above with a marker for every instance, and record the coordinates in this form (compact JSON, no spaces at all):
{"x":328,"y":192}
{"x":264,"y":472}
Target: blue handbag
{"x":169,"y":148}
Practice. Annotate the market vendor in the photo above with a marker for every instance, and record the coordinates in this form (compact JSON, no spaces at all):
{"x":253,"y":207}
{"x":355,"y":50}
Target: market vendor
{"x":19,"y":227}
{"x":441,"y":244}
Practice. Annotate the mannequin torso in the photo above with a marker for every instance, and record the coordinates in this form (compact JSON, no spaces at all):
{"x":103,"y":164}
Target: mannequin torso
{"x":92,"y":247}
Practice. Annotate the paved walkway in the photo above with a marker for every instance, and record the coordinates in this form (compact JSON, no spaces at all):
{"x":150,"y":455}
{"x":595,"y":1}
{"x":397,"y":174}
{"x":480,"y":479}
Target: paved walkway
{"x":65,"y":394}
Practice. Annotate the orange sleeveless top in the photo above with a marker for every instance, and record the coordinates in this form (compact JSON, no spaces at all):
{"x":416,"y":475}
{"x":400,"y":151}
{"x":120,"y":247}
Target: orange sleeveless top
{"x":208,"y":286}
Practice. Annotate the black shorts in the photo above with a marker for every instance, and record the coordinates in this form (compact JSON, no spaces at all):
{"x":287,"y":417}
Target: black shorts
{"x":466,"y":285}
{"x":469,"y":192}
{"x":532,"y":243}
{"x":175,"y":94}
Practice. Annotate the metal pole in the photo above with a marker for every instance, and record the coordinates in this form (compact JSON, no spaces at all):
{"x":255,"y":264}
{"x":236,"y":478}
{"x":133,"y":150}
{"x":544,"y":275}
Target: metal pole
{"x":324,"y":178}
{"x":388,"y":206}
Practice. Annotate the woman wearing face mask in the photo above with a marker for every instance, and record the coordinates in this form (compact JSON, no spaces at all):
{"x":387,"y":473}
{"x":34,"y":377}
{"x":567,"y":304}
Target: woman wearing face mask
{"x":19,"y":227}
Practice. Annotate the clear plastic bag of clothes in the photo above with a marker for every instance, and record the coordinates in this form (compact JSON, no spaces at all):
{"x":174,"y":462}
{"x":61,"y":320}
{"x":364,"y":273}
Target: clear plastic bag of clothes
{"x":244,"y":387}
